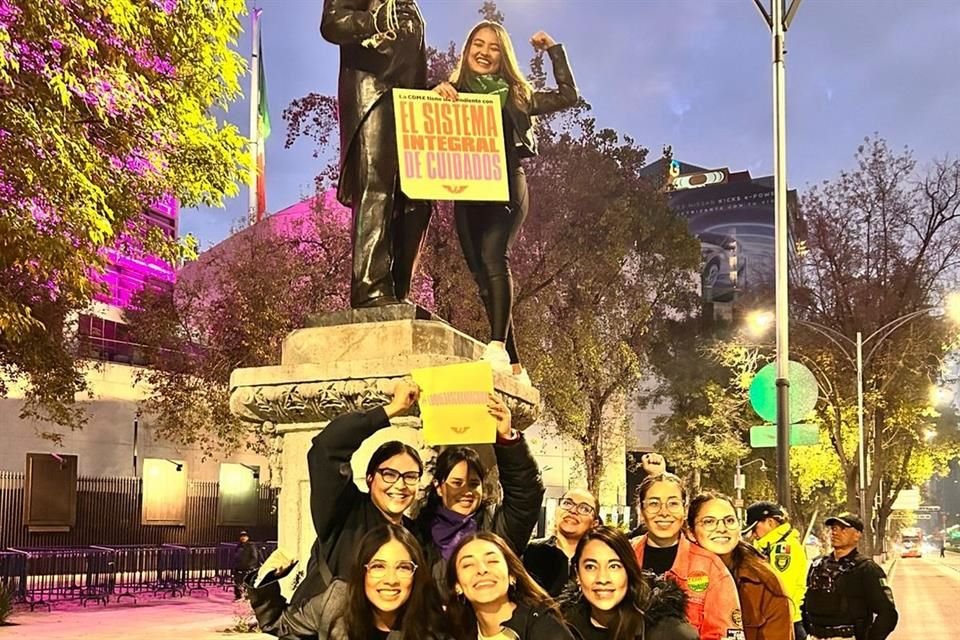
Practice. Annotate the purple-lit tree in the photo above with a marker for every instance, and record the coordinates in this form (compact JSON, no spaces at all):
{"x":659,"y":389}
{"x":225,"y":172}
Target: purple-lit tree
{"x":104,"y":107}
{"x":231,"y":309}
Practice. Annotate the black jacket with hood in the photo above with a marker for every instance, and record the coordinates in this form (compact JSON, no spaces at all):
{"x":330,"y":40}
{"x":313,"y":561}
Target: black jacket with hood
{"x":665,"y":615}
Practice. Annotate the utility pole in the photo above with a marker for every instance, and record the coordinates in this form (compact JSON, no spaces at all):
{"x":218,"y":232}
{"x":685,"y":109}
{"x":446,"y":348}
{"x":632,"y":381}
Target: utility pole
{"x":779,"y":20}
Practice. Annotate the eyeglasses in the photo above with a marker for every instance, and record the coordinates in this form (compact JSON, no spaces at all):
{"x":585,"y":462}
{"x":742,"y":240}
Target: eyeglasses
{"x":379,"y":569}
{"x":730,"y":523}
{"x":391,"y":476}
{"x":581,"y":509}
{"x":654,"y":505}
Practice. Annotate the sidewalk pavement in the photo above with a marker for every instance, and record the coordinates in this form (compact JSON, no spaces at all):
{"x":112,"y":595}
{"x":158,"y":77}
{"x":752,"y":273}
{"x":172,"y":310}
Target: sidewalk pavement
{"x":187,"y":618}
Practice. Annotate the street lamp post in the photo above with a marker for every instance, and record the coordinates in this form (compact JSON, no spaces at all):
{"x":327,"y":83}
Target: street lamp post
{"x":740,"y":483}
{"x":844,"y":344}
{"x":779,"y":19}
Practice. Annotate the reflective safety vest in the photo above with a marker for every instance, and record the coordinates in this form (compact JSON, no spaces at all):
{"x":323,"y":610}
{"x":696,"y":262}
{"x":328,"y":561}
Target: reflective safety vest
{"x":788,"y":559}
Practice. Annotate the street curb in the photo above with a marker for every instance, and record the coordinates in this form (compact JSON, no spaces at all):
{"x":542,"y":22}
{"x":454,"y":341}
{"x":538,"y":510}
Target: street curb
{"x":889,"y":570}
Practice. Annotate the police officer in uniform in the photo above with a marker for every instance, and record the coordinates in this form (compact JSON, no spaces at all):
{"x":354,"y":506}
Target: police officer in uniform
{"x":773,"y":536}
{"x":847,"y":593}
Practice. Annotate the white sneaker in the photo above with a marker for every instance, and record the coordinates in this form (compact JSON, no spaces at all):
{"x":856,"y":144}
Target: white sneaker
{"x":523,"y":377}
{"x":498,"y":359}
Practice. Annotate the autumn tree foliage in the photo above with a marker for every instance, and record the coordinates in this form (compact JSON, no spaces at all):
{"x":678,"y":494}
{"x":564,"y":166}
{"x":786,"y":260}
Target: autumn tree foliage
{"x":105,"y":106}
{"x":232,"y":309}
{"x":884,"y":252}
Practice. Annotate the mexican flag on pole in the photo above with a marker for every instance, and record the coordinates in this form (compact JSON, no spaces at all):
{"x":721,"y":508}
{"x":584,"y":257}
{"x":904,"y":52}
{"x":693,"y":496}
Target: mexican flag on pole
{"x":262,"y":122}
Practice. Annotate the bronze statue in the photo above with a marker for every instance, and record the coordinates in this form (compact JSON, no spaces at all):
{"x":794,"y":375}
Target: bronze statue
{"x":381,"y":48}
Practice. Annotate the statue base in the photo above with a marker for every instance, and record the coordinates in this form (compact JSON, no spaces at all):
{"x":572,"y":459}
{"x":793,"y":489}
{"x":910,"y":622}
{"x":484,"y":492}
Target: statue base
{"x":350,"y":361}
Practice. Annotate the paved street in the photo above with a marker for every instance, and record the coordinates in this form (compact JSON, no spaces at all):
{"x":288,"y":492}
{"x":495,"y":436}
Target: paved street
{"x":193,"y":618}
{"x":927,"y":591}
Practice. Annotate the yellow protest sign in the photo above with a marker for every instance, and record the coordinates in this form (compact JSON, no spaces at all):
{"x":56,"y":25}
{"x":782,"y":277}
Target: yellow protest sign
{"x":453,"y":403}
{"x":450,"y":149}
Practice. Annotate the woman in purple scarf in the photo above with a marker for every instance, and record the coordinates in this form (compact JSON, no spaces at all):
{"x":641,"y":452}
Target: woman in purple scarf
{"x":458,"y":503}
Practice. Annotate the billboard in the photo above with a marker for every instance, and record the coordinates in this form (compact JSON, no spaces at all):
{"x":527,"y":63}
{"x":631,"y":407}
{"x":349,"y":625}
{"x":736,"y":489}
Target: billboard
{"x":732,"y":215}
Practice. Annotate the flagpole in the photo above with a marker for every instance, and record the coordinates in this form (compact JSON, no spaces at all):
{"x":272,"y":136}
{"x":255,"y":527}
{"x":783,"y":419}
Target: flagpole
{"x":254,"y":104}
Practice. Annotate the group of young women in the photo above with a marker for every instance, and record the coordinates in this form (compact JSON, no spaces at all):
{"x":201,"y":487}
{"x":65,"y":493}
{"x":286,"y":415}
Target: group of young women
{"x":389,"y":593}
{"x":455,"y":572}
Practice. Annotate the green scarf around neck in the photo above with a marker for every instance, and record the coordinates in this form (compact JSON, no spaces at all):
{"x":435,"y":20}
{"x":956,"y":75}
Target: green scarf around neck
{"x":490,"y":83}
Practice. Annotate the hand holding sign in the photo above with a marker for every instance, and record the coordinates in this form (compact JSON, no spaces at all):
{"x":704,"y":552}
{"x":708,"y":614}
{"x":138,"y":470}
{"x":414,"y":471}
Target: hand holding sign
{"x":446,"y":91}
{"x":405,"y":395}
{"x":501,"y":413}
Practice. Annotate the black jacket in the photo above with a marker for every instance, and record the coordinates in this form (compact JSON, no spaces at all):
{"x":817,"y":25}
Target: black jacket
{"x":367,"y":75}
{"x":543,"y":102}
{"x":513,"y":519}
{"x":666,"y":617}
{"x":537,"y":624}
{"x":851,"y":591}
{"x":246,"y":556}
{"x":342,"y":514}
{"x":548,"y":565}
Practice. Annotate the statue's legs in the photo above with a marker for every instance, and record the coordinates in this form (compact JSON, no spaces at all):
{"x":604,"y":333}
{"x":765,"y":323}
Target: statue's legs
{"x":375,"y":160}
{"x":409,"y":234}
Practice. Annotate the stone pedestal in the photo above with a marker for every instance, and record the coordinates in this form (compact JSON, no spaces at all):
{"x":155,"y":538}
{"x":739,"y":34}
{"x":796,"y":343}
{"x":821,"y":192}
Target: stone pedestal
{"x":348,"y":361}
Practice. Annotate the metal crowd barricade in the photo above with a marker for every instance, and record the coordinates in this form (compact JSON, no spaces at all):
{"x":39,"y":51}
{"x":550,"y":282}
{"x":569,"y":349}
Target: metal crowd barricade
{"x":58,"y":574}
{"x":225,"y":553}
{"x":201,"y":568}
{"x":172,"y":570}
{"x":13,"y":574}
{"x":136,"y":569}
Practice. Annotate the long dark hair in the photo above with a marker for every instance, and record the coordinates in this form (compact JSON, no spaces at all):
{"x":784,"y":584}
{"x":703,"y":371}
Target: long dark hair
{"x":743,"y":554}
{"x":629,"y":618}
{"x":386,"y":451}
{"x":421,"y":616}
{"x":525,"y":591}
{"x":442,"y":466}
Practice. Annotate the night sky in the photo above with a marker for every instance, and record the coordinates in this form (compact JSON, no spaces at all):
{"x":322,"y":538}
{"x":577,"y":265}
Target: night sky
{"x":694,"y":74}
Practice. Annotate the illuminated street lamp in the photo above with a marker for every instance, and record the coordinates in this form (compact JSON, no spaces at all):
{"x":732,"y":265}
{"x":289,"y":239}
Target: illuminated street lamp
{"x":758,"y":322}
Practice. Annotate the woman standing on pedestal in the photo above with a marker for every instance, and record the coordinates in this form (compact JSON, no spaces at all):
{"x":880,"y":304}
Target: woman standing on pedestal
{"x":487,"y":230}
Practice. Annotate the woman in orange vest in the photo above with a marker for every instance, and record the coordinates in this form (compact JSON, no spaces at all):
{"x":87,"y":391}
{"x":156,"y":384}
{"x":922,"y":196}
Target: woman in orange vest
{"x":713,"y":606}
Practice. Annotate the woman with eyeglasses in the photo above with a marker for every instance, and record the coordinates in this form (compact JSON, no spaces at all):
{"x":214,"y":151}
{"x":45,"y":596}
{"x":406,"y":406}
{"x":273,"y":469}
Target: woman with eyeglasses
{"x":548,"y":559}
{"x":458,"y":504}
{"x":614,"y":600}
{"x":766,"y":606}
{"x":493,"y":597}
{"x":713,"y":607}
{"x":342,"y":513}
{"x":388,"y":596}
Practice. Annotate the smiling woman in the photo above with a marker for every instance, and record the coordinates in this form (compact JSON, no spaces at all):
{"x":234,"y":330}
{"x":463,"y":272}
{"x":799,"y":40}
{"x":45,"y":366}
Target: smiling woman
{"x":766,"y":607}
{"x":713,"y":606}
{"x":495,"y":598}
{"x":457,"y":503}
{"x":614,"y":600}
{"x":387,"y":595}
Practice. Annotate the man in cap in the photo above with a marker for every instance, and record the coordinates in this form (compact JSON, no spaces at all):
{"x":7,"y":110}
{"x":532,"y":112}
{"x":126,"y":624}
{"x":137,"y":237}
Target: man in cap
{"x":779,"y":542}
{"x":246,"y":558}
{"x":847,"y":593}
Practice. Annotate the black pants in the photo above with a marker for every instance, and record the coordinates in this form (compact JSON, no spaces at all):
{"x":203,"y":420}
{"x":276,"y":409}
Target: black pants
{"x":388,"y":228}
{"x":487,"y":231}
{"x":238,"y":577}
